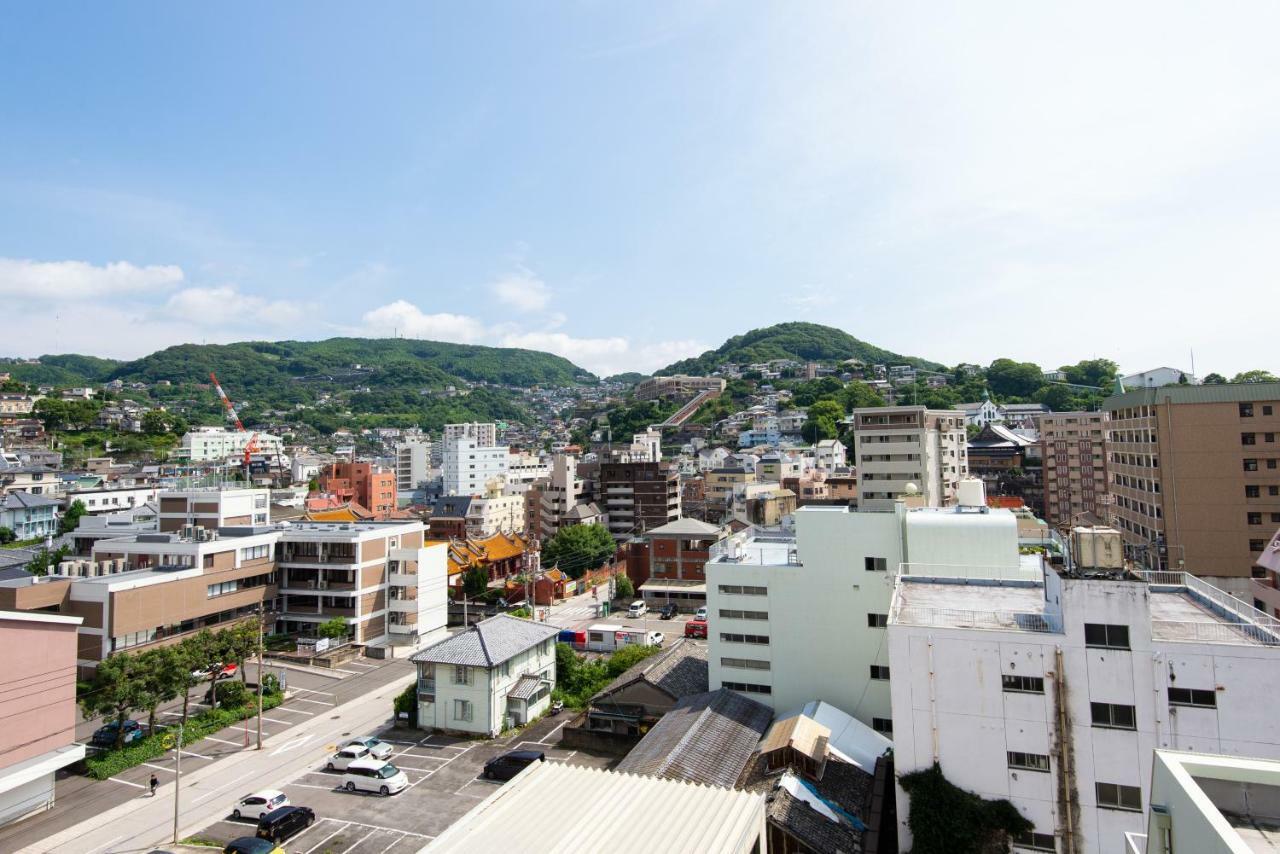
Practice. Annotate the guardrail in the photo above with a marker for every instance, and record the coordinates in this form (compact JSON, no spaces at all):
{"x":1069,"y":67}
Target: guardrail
{"x":948,"y":570}
{"x":1210,"y":632}
{"x":1216,"y":599}
{"x":1008,"y":621}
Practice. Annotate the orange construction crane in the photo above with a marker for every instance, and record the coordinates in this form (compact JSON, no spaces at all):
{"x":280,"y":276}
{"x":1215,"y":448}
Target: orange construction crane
{"x":250,"y":446}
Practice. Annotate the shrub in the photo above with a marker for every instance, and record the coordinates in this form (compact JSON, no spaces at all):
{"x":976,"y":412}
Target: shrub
{"x":232,"y":693}
{"x":407,"y":701}
{"x":946,"y":819}
{"x":624,"y":587}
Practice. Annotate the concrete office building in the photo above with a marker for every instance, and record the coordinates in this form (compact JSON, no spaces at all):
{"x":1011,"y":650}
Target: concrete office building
{"x":413,"y":465}
{"x":362,"y":483}
{"x":38,"y":706}
{"x":1073,"y":446}
{"x":469,"y":467}
{"x":495,"y":512}
{"x":218,"y":444}
{"x":894,"y":446}
{"x":1195,"y":476}
{"x":213,"y":508}
{"x":1054,"y":693}
{"x":832,"y":577}
{"x":484,"y":434}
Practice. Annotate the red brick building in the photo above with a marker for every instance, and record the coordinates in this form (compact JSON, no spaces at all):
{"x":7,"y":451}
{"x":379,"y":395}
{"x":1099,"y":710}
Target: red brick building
{"x":364,"y":484}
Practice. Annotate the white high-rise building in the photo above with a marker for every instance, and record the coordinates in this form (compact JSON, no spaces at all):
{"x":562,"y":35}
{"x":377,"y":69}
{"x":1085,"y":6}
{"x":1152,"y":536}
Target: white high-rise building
{"x":413,"y":464}
{"x":469,"y":467}
{"x":215,"y":444}
{"x":523,"y":470}
{"x":1055,"y":693}
{"x":485,"y":435}
{"x":895,"y":446}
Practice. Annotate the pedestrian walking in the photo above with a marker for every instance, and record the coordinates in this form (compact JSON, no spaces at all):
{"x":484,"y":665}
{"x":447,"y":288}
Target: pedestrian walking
{"x":154,"y":785}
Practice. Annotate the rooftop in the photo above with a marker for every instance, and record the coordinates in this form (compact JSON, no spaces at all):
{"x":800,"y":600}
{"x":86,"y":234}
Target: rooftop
{"x":679,"y":670}
{"x":1011,"y":606}
{"x":488,"y":643}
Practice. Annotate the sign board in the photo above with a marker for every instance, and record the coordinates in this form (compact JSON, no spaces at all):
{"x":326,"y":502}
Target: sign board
{"x":322,"y":644}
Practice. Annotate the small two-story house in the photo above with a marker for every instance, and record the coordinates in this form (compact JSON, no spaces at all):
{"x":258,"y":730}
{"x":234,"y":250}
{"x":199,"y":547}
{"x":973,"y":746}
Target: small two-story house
{"x":497,"y":674}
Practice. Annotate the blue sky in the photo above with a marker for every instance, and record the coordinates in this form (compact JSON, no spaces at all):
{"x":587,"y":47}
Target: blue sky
{"x":627,"y":184}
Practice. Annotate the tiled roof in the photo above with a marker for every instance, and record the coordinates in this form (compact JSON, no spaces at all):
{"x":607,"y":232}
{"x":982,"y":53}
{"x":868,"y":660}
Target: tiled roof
{"x":845,"y":787}
{"x":707,"y":738}
{"x":26,"y":501}
{"x":525,"y":686}
{"x":679,"y":671}
{"x":488,"y":642}
{"x":691,"y":527}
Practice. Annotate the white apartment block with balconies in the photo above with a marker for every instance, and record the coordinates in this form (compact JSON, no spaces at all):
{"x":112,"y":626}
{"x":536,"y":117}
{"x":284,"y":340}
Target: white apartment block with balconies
{"x":470,"y":467}
{"x":895,"y":446}
{"x":482,"y":433}
{"x":413,"y":464}
{"x":1054,"y":693}
{"x":218,"y":444}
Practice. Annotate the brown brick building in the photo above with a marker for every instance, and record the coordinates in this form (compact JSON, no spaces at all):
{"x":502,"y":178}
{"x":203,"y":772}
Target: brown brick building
{"x":639,"y":496}
{"x":1073,"y":445}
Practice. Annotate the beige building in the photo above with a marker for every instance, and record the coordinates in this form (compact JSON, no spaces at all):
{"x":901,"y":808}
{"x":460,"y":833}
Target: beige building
{"x":677,"y":386}
{"x":214,"y":508}
{"x":1073,"y":445}
{"x":894,"y":446}
{"x":495,"y":513}
{"x":1195,"y":476}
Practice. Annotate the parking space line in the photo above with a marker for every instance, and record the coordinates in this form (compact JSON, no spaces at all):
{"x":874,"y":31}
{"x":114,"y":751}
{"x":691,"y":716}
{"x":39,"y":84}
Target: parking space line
{"x":295,"y":711}
{"x":224,"y":741}
{"x":159,"y":767}
{"x":186,"y":752}
{"x":277,"y":721}
{"x":126,"y":782}
{"x":309,"y":786}
{"x":327,"y":838}
{"x":361,"y":839}
{"x":546,"y":740}
{"x":317,"y":702}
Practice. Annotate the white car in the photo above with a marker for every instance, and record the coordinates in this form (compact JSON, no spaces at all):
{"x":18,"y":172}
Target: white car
{"x":342,"y":760}
{"x":637,"y":609}
{"x":701,"y":614}
{"x":655,"y":638}
{"x":378,"y":748}
{"x":374,"y":775}
{"x":258,"y":804}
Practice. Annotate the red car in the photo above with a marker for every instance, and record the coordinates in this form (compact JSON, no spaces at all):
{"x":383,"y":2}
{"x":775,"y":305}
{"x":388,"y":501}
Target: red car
{"x":695,"y":629}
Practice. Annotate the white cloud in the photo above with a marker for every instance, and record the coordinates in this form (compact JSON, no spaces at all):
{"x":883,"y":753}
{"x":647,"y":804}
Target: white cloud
{"x":226,"y":306}
{"x":407,"y":320}
{"x":522,"y":290}
{"x":60,"y":280}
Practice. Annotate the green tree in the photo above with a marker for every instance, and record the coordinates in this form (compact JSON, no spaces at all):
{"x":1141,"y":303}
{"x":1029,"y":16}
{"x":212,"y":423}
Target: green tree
{"x":1057,"y":397}
{"x":1008,"y":378}
{"x":7,"y":535}
{"x":578,"y":548}
{"x":45,"y":560}
{"x":155,"y":422}
{"x":823,"y":421}
{"x":163,"y":676}
{"x":1255,"y":377}
{"x":205,"y":652}
{"x":475,"y":581}
{"x":624,"y":588}
{"x":946,"y":819}
{"x":1095,"y":372}
{"x":858,"y":394}
{"x":1215,"y":379}
{"x":116,"y":690}
{"x":335,"y":629}
{"x":71,"y":517}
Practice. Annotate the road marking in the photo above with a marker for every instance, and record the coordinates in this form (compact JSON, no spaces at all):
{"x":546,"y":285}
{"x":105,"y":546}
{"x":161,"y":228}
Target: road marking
{"x":292,"y":744}
{"x":362,"y":664}
{"x":553,"y":732}
{"x":317,"y":702}
{"x":224,"y":741}
{"x":327,"y":838}
{"x":294,"y":711}
{"x":187,"y":752}
{"x":309,"y":786}
{"x":109,"y":844}
{"x":277,"y":721}
{"x":205,"y":797}
{"x":159,"y":767}
{"x":127,"y":783}
{"x":361,"y":839}
{"x":411,"y":768}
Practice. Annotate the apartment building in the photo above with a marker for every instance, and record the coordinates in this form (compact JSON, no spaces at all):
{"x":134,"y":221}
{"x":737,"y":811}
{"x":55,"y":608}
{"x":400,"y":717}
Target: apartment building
{"x":677,"y":386}
{"x":110,"y":499}
{"x":495,"y":512}
{"x":639,"y":496}
{"x":485,"y":435}
{"x":1074,"y":451}
{"x":668,"y":567}
{"x":469,"y":467}
{"x":831,"y":576}
{"x":413,"y":464}
{"x":381,"y":578}
{"x":894,"y":446}
{"x":218,"y":444}
{"x":524,"y":470}
{"x":1054,"y":693}
{"x":550,"y":499}
{"x":213,"y":508}
{"x":1195,"y":476}
{"x":362,"y":483}
{"x":38,"y":707}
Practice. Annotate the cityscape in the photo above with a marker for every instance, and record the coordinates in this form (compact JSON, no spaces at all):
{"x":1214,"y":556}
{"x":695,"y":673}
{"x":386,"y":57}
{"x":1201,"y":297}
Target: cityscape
{"x":371,"y":480}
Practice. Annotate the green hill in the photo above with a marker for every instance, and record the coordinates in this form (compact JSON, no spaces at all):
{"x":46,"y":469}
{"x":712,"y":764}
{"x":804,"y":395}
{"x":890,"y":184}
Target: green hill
{"x":70,"y":369}
{"x":801,"y":341}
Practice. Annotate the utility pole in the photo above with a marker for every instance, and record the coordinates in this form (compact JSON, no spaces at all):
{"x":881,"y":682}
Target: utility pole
{"x":261,"y":617}
{"x":177,"y":782}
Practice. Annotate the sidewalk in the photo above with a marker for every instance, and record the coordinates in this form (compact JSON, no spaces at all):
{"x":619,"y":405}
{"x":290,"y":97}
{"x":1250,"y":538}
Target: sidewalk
{"x":208,"y":793}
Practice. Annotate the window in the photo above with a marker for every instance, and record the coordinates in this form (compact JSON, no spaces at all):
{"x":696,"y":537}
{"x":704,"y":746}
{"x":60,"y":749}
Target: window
{"x":877,"y":621}
{"x":1246,"y":410}
{"x":883,"y":726}
{"x":745,"y":663}
{"x":255,"y":552}
{"x":461,"y":675}
{"x":1248,"y":438}
{"x":1250,"y":464}
{"x":745,"y":590}
{"x":462,"y":710}
{"x":1266,"y":409}
{"x":747,"y":687}
{"x":1117,"y":797}
{"x":1254,"y":518}
{"x":1105,"y":636}
{"x":1275,"y":517}
{"x":1193,"y":697}
{"x":1273,"y":490}
{"x":1252,"y":491}
{"x":1113,"y":716}
{"x":505,"y":668}
{"x":732,"y":614}
{"x":1028,"y":761}
{"x":222,"y":588}
{"x":1269,"y":437}
{"x":1023,"y":684}
{"x":1035,"y":841}
{"x":879,"y":671}
{"x":733,"y":637}
{"x":875,"y":564}
{"x":1271,"y":464}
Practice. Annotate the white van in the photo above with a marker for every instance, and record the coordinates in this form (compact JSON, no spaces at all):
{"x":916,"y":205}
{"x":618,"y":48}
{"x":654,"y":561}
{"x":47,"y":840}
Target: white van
{"x":374,"y":775}
{"x":637,"y":609}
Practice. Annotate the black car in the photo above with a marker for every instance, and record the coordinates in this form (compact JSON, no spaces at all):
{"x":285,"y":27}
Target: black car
{"x":284,"y":822}
{"x":668,"y":611}
{"x":508,"y":765}
{"x":105,"y":736}
{"x":250,"y":845}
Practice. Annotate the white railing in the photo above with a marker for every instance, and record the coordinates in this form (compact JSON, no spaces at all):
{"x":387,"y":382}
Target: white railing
{"x":1213,"y":596}
{"x":1008,"y":621}
{"x":1211,"y":632}
{"x":950,"y":570}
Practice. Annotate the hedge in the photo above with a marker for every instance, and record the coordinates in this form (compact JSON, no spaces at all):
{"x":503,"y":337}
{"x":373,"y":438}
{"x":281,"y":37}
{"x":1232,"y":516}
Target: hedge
{"x":112,"y":762}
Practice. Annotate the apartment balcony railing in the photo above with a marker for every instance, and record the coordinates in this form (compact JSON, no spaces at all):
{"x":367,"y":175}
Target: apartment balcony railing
{"x":1004,"y":621}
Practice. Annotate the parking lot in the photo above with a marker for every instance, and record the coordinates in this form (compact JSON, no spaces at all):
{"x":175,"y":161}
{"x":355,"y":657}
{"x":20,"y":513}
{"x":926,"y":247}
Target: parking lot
{"x":444,"y":783}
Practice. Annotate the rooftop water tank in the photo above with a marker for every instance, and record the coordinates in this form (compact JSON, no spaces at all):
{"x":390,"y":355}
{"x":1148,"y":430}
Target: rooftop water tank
{"x":971,"y":492}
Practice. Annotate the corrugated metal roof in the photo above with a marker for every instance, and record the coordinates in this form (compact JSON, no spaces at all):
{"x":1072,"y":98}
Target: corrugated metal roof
{"x":1218,"y":393}
{"x":555,"y":807}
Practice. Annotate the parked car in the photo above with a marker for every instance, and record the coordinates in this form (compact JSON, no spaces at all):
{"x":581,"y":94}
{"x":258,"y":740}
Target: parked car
{"x":225,"y":671}
{"x":374,"y":775}
{"x":701,"y":614}
{"x":378,"y":748}
{"x":344,"y":757}
{"x":637,"y":609}
{"x":258,"y":804}
{"x":655,"y":638}
{"x":668,"y":611}
{"x":280,"y":824}
{"x":695,"y":629}
{"x":105,"y":735}
{"x":508,"y":765}
{"x":252,"y":845}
